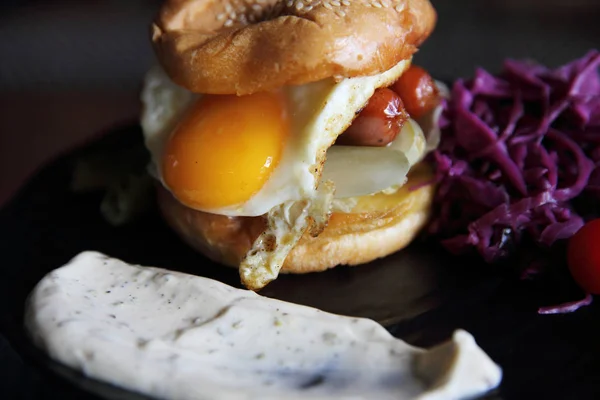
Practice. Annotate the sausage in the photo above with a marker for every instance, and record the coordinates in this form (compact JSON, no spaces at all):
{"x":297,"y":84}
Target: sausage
{"x":417,"y":90}
{"x":378,"y":123}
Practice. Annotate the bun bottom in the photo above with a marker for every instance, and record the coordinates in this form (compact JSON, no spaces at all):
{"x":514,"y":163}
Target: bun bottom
{"x":384,"y":224}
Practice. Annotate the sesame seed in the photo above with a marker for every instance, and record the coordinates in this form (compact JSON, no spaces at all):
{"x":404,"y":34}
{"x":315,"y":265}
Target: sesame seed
{"x":251,"y":11}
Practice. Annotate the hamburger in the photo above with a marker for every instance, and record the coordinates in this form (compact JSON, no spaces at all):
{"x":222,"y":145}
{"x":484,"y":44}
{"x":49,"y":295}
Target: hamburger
{"x":288,"y":136}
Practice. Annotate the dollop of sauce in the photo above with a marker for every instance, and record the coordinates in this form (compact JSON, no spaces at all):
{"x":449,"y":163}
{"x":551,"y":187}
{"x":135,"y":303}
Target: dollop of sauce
{"x":177,"y":336}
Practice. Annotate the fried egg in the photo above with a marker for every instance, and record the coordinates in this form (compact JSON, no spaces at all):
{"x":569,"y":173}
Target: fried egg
{"x":242,"y":156}
{"x":263,"y":154}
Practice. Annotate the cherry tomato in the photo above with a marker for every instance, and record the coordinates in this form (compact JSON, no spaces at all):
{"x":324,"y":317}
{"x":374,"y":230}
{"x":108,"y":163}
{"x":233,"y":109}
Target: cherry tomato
{"x":583,"y":256}
{"x":378,"y":123}
{"x":417,"y":90}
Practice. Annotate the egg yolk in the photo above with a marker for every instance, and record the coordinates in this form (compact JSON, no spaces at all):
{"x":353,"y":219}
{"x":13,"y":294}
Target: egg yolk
{"x":225,"y":149}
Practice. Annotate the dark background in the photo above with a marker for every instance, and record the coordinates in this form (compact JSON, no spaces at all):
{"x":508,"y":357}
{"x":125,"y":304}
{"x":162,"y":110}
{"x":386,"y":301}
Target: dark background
{"x":71,"y":69}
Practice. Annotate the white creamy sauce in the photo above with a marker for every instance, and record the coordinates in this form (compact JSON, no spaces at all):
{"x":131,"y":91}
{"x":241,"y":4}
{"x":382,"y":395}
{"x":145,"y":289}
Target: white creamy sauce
{"x":177,"y":336}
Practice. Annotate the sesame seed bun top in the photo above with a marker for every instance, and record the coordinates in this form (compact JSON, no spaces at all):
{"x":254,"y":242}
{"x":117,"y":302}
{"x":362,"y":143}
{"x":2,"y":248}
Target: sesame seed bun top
{"x":246,"y":46}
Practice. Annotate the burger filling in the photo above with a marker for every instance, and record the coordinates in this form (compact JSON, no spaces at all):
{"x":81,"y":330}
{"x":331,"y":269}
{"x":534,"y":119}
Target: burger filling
{"x":264,"y":154}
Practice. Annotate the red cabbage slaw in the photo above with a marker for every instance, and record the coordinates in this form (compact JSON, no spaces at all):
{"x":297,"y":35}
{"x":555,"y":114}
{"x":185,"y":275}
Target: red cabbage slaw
{"x":516,"y":149}
{"x":567,"y":307}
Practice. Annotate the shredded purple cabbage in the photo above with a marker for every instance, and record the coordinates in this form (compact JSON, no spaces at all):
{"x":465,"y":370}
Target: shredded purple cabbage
{"x":567,"y":307}
{"x":516,"y":149}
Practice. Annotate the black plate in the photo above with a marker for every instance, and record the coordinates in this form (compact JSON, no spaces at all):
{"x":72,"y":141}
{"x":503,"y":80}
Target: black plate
{"x":421,"y":294}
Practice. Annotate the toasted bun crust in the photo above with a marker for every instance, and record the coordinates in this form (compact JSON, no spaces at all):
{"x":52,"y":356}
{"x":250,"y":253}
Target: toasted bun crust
{"x":242,"y":47}
{"x":348,"y":239}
